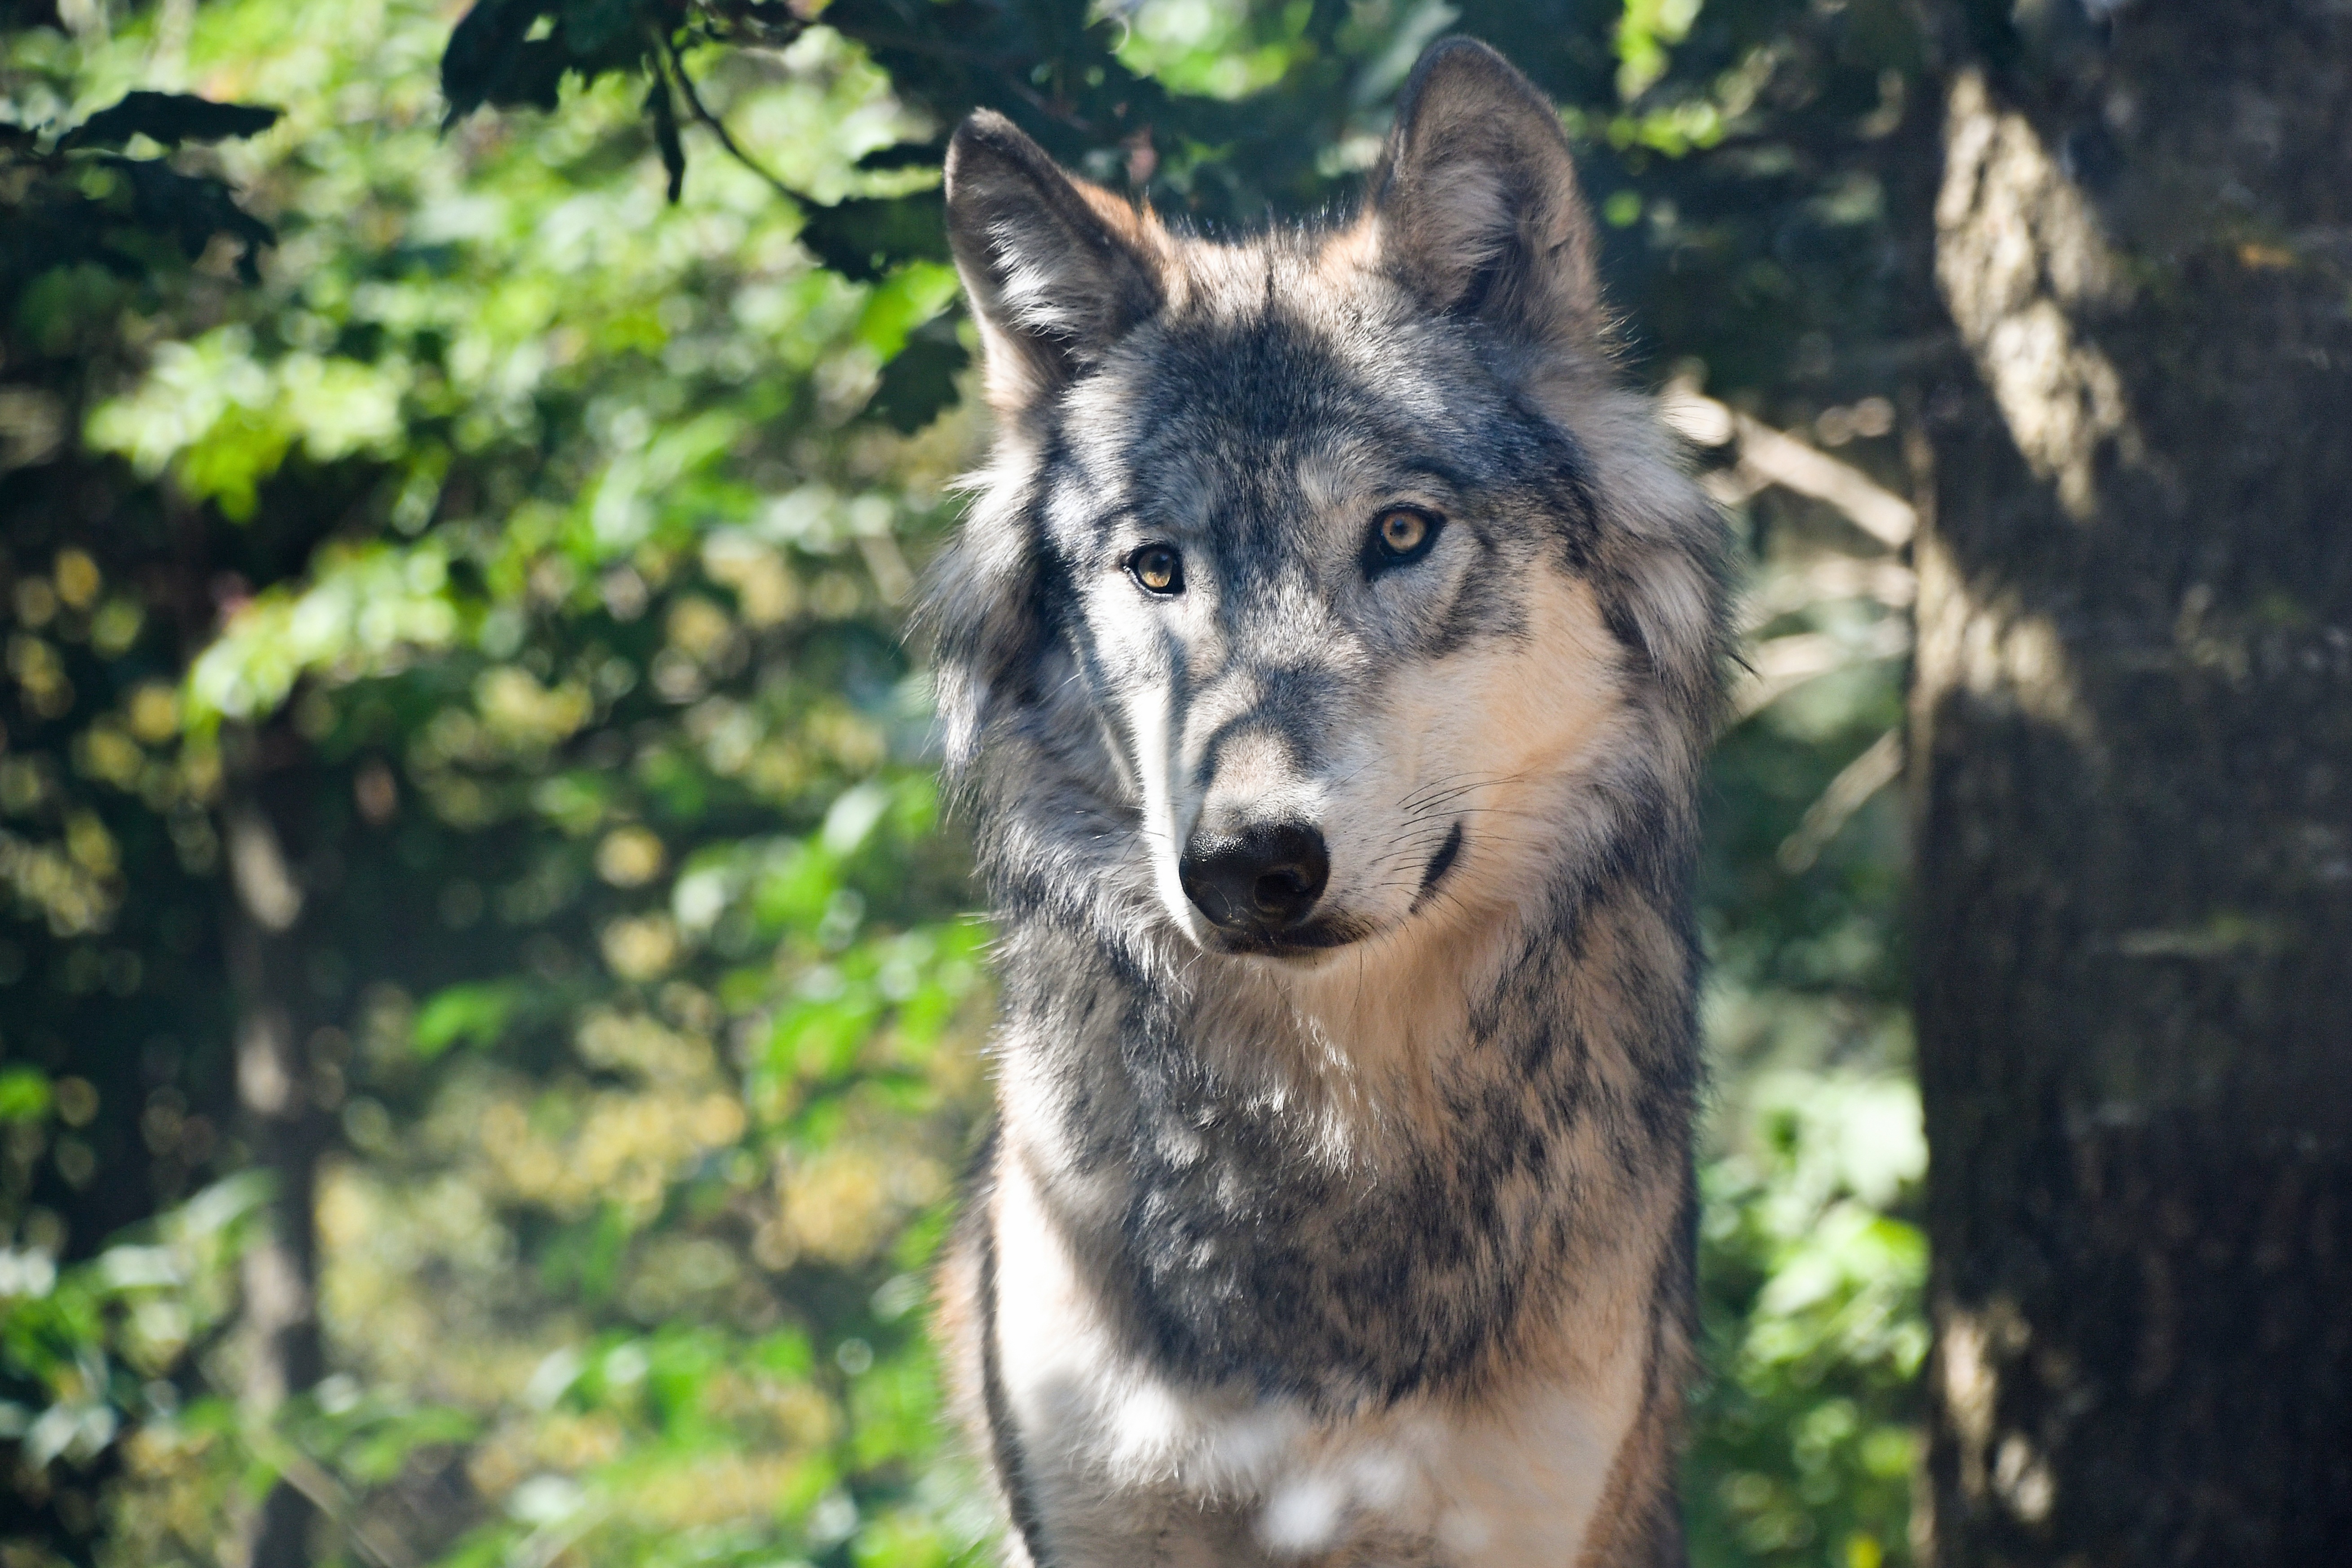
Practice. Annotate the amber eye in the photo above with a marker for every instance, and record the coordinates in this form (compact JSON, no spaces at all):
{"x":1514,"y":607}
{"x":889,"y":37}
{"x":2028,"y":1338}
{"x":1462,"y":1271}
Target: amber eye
{"x":1402,"y":534}
{"x":1158,"y":568}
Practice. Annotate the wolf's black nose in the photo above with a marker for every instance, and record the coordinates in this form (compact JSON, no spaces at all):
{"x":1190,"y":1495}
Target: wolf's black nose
{"x":1262,"y":878}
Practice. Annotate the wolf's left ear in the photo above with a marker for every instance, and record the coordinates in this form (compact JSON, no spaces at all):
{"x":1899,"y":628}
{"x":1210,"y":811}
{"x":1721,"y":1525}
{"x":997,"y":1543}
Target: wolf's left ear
{"x":1476,"y":204}
{"x":1057,"y":269}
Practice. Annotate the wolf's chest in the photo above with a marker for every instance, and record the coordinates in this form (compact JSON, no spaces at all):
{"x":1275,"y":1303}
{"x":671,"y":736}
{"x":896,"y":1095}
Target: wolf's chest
{"x":1114,"y":1450}
{"x":1250,"y":1238}
{"x":1245,"y":1262}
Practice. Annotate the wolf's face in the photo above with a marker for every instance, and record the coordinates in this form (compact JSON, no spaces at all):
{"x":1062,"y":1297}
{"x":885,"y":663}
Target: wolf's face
{"x":1326,"y":607}
{"x":1311,"y":523}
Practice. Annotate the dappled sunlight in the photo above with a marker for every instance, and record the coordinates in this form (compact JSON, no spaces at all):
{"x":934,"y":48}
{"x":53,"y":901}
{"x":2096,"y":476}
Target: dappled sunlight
{"x":2020,"y":258}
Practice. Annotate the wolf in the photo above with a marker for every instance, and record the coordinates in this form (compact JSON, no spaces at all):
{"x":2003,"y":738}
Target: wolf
{"x":1327,"y":660}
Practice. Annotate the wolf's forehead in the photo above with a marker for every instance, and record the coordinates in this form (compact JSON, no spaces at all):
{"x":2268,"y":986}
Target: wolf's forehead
{"x":1278,"y":404}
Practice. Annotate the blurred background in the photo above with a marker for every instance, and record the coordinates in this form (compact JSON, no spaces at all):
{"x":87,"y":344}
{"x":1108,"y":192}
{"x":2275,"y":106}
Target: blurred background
{"x":491,"y":1008}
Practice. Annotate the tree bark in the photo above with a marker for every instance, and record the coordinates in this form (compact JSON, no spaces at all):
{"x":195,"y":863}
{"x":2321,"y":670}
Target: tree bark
{"x":267,"y":813}
{"x":2133,"y":756}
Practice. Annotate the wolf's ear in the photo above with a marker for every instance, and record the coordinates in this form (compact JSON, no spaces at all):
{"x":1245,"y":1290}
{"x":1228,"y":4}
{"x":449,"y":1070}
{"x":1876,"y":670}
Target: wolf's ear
{"x":1476,"y":200}
{"x":1057,"y":269}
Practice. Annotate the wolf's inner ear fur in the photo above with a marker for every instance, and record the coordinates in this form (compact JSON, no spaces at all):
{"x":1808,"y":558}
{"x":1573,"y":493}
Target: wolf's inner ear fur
{"x":1476,"y":200}
{"x":1058,"y":270}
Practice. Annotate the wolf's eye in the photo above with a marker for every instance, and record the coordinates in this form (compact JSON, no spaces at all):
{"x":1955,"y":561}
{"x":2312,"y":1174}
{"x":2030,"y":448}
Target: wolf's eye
{"x":1402,"y":533}
{"x":1158,"y":569}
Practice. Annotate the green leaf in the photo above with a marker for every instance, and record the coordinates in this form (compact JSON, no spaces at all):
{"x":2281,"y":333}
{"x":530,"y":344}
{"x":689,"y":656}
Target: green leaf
{"x":475,"y":1013}
{"x":862,"y":239}
{"x":491,"y":58}
{"x":919,"y":382}
{"x":662,"y":111}
{"x":195,"y":208}
{"x":170,"y":118}
{"x":25,"y":1094}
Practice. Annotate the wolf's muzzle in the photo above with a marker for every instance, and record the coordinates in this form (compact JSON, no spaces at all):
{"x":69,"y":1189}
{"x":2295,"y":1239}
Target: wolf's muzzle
{"x":1261,"y":880}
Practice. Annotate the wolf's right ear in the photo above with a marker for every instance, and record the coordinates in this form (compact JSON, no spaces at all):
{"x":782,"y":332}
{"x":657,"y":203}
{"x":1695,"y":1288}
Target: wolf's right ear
{"x":1058,"y":270}
{"x":1476,"y":204}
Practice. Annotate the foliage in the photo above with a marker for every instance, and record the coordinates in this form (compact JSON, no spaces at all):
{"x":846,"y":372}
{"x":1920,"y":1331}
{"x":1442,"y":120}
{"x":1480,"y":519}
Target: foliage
{"x":530,"y":546}
{"x":1805,"y":1441}
{"x":554,"y":520}
{"x":76,"y":197}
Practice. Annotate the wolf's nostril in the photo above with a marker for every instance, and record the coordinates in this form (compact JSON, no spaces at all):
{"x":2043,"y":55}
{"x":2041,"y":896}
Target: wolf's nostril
{"x":1277,"y":891}
{"x":1263,"y":878}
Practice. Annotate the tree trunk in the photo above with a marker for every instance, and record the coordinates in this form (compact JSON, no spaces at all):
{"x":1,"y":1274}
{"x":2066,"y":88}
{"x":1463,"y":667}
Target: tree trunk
{"x":2133,"y":753}
{"x":267,"y":813}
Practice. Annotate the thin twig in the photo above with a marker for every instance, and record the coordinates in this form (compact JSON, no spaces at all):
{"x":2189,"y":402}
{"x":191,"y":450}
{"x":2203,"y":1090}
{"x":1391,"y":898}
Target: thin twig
{"x":1769,"y":457}
{"x":328,"y":1495}
{"x":1783,"y":664}
{"x":1829,"y":580}
{"x":711,"y":122}
{"x":1879,"y":765}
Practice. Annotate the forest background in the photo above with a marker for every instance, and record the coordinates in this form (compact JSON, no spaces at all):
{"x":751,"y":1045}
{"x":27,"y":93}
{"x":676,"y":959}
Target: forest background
{"x":490,"y":1009}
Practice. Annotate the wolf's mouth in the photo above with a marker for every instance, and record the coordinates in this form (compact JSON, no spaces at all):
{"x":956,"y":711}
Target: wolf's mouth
{"x":1298,"y":943}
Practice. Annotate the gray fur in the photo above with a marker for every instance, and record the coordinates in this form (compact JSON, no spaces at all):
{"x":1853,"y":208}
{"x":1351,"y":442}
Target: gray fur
{"x":1279,"y":1225}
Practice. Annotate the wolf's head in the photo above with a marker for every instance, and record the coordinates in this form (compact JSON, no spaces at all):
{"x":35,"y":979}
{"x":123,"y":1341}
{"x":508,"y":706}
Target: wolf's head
{"x":1324,"y":582}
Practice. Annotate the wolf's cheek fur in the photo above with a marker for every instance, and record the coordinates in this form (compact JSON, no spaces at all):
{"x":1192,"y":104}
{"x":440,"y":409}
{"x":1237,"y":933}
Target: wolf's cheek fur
{"x":1475,"y":757}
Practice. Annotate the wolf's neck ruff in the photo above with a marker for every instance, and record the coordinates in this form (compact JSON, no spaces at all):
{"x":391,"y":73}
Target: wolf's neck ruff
{"x":1327,"y":662}
{"x":1395,"y":1196}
